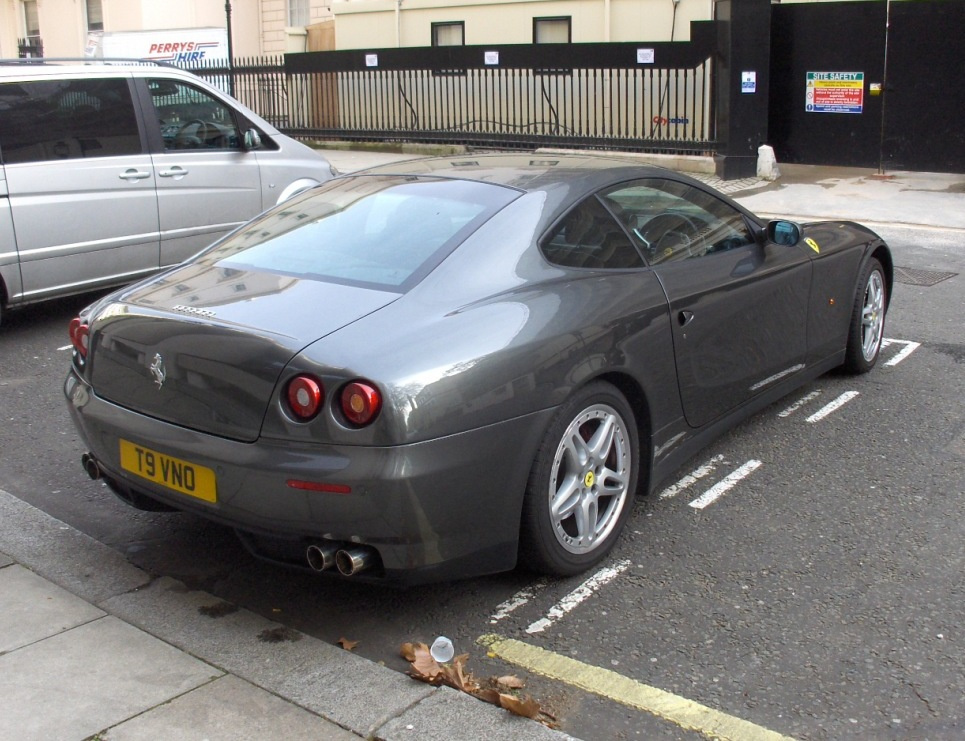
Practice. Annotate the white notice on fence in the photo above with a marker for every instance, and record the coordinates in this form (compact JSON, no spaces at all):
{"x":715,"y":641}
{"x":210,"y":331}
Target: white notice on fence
{"x":645,"y":56}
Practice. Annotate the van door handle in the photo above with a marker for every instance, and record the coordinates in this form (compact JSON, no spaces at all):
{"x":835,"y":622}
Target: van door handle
{"x":176,"y":172}
{"x":684,"y":318}
{"x":131,"y":175}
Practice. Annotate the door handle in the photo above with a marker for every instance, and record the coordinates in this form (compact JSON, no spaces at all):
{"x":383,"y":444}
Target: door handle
{"x":174,"y":172}
{"x":131,"y":175}
{"x":684,"y":318}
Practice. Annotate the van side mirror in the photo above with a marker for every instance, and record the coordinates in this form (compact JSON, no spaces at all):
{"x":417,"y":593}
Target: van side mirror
{"x":252,"y":140}
{"x":783,"y":232}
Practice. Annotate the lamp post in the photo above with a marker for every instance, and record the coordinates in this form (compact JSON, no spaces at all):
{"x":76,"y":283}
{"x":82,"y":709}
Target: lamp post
{"x":231,"y":54}
{"x":884,"y":94}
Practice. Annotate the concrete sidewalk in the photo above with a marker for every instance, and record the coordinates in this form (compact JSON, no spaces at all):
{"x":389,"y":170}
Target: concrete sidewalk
{"x":91,"y":646}
{"x":802,"y":192}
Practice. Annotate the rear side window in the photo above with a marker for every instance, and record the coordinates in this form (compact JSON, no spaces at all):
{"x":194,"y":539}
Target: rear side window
{"x":46,"y":120}
{"x":589,"y":237}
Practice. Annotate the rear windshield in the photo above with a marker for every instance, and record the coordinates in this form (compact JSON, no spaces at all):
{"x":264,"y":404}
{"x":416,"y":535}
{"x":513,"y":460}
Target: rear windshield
{"x":380,"y":231}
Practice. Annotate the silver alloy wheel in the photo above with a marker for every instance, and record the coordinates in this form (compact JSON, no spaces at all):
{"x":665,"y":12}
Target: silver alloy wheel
{"x":872,"y":315}
{"x":588,"y":486}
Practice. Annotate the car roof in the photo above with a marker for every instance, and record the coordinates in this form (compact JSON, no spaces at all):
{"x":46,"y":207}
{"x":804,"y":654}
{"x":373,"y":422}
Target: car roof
{"x":39,"y":68}
{"x":530,"y":171}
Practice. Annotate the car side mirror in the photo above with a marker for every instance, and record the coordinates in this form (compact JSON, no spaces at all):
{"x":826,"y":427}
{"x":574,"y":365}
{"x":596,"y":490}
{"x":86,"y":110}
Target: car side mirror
{"x":252,"y":139}
{"x":783,"y":232}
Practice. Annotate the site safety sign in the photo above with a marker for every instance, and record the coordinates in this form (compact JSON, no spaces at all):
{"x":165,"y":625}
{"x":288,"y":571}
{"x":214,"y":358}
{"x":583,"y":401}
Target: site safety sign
{"x":834,"y":92}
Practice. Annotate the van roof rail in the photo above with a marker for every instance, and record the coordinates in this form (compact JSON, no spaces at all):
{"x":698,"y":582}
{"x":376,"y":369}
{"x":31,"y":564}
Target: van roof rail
{"x":86,"y":60}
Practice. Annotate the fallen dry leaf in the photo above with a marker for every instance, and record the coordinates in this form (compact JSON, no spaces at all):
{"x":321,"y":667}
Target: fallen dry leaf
{"x":510,"y":682}
{"x":425,"y":667}
{"x":408,"y":651}
{"x":455,"y":674}
{"x":458,"y":677}
{"x":527,"y":707}
{"x":347,"y":644}
{"x":488,"y":695}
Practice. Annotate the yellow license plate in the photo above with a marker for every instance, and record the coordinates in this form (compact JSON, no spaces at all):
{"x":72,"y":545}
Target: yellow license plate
{"x":174,"y":473}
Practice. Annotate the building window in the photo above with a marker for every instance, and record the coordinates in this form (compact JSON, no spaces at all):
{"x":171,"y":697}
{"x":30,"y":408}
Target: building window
{"x":449,"y":34}
{"x":552,"y":30}
{"x":31,"y":19}
{"x":95,"y":15}
{"x":298,"y":13}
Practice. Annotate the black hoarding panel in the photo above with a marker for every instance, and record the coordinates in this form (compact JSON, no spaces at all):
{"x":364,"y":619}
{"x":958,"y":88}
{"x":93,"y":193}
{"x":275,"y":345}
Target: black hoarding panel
{"x":824,"y":59}
{"x":925,"y":102}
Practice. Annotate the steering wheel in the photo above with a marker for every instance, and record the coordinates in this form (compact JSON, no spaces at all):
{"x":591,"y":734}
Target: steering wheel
{"x":665,"y":233}
{"x":204,"y":132}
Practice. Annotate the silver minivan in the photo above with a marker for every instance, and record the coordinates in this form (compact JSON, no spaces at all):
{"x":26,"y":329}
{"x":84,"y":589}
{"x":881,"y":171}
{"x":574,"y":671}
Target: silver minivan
{"x":110,"y":172}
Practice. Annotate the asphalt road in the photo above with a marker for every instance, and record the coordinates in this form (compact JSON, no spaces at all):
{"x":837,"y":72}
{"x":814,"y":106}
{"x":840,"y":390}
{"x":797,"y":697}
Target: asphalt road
{"x":820,"y":596}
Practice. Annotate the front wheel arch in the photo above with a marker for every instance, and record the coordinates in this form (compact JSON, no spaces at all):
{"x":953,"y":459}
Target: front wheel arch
{"x":293,"y":189}
{"x":866,"y":325}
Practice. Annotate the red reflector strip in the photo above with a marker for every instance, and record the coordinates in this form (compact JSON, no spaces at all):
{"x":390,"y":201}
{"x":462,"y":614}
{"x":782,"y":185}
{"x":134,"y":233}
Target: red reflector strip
{"x":319,"y":486}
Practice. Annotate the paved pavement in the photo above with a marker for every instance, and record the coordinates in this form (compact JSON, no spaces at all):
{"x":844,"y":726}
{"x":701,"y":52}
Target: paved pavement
{"x":91,"y":646}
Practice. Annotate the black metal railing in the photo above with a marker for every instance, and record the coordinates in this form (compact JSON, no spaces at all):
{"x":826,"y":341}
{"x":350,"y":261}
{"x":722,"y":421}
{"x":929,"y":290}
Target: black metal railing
{"x":30,"y":47}
{"x":258,"y":82}
{"x":636,"y":96}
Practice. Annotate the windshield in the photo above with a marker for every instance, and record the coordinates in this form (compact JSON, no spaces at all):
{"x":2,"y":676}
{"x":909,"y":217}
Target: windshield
{"x":381,"y":231}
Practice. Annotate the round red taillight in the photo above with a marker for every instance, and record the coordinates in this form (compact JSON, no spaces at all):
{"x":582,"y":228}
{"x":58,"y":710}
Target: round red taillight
{"x":361,"y":403}
{"x":305,"y":397}
{"x":79,"y":336}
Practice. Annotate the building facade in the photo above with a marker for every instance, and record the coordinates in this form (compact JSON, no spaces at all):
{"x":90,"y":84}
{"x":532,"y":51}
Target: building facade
{"x":401,"y":23}
{"x":63,"y":28}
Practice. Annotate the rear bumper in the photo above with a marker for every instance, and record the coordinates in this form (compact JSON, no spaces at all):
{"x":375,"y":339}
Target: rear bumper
{"x":440,"y":509}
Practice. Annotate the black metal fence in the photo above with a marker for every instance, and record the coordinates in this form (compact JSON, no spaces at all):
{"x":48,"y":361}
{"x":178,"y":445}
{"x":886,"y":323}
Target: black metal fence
{"x":30,"y":47}
{"x":636,"y":96}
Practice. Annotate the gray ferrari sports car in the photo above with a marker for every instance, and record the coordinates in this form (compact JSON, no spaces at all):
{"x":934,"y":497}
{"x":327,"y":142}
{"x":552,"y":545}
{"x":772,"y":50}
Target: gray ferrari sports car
{"x":445,"y":367}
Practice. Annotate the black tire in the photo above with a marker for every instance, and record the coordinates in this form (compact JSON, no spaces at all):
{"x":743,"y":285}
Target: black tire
{"x":867,"y":320}
{"x":575,"y":467}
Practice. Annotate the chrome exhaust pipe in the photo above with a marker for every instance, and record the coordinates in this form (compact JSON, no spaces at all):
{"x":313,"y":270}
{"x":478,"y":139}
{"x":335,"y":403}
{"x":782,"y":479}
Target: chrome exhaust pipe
{"x":351,"y":561}
{"x":321,"y":556}
{"x":90,"y":466}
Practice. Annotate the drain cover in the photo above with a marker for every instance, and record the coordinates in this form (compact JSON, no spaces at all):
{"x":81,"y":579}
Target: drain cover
{"x":917,"y":277}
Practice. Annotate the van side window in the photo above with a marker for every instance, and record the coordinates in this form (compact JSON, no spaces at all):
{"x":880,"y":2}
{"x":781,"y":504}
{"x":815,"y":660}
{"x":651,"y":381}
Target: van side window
{"x":191,"y":118}
{"x":67,"y":119}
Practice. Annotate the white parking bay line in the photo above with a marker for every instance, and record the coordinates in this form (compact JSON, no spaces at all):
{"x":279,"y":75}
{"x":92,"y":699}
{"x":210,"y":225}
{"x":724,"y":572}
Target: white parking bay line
{"x":686,"y":714}
{"x":833,"y":406}
{"x":577,"y":596}
{"x":692,"y":478}
{"x":908,"y":349}
{"x":522,"y":597}
{"x":725,"y":485}
{"x":799,"y":403}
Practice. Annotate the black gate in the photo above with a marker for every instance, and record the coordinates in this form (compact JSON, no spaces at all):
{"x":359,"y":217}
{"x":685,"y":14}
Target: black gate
{"x":909,"y":121}
{"x":646,"y":96}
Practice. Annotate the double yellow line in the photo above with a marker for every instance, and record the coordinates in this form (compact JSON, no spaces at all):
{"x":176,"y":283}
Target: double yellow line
{"x":684,"y":713}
